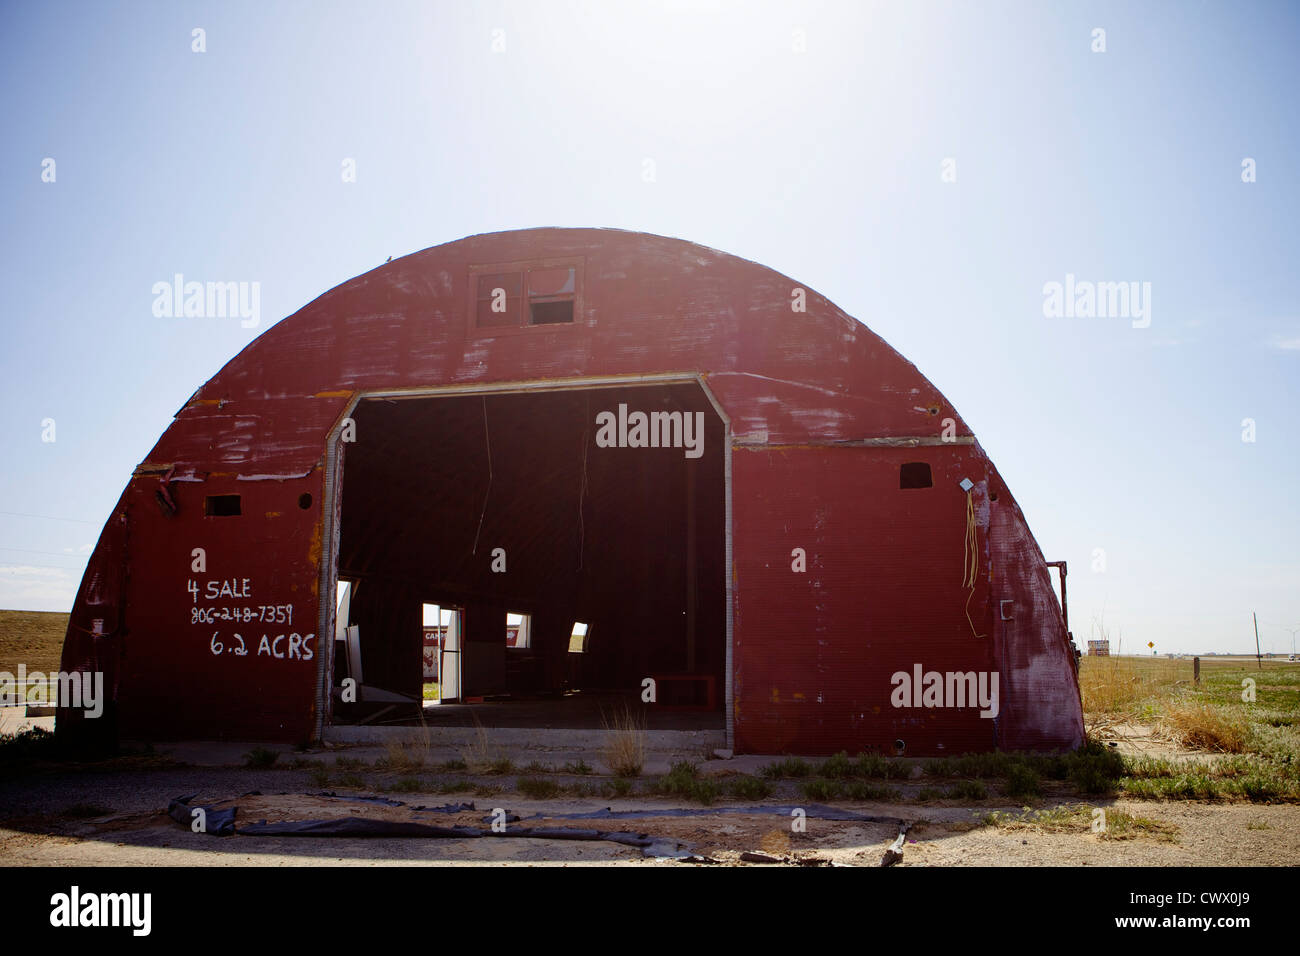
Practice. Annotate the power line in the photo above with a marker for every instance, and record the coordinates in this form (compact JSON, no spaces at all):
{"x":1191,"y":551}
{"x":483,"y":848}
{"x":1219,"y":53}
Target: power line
{"x":22,"y":514}
{"x":57,"y":554}
{"x":52,"y":567}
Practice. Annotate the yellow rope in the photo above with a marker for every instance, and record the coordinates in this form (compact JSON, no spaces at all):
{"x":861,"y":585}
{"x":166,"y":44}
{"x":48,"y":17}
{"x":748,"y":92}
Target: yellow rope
{"x":970,"y":559}
{"x":969,"y":566}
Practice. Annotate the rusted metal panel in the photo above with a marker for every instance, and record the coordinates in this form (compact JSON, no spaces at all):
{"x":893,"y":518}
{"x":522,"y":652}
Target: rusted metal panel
{"x":1036,"y":657}
{"x":179,"y":670}
{"x":274,"y":437}
{"x":882,"y":594}
{"x":823,"y":413}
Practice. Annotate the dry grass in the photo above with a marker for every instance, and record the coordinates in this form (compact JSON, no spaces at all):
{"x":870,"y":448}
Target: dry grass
{"x":1115,"y":686}
{"x":625,"y":739}
{"x":34,"y":638}
{"x":1063,"y":819}
{"x":411,"y":754}
{"x":1207,"y":727}
{"x":481,"y":755}
{"x":1080,"y":818}
{"x":1125,"y":826}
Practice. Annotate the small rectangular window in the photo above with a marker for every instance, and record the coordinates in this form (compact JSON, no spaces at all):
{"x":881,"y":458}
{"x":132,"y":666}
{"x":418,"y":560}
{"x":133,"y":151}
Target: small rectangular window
{"x":578,"y":638}
{"x":550,"y":313}
{"x":915,"y":474}
{"x":221,"y":506}
{"x":518,"y":627}
{"x":550,"y":295}
{"x":514,"y":296}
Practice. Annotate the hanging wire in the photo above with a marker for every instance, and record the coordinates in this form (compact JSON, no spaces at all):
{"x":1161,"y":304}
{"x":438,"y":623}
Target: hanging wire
{"x":582,"y":488}
{"x":23,"y":514}
{"x":970,"y":559}
{"x":488,"y":492}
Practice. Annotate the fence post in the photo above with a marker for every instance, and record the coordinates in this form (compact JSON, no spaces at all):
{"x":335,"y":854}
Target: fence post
{"x":1196,"y":670}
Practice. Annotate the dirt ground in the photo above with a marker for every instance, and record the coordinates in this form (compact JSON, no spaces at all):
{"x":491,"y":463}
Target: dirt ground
{"x":79,"y":817}
{"x":942,"y":834}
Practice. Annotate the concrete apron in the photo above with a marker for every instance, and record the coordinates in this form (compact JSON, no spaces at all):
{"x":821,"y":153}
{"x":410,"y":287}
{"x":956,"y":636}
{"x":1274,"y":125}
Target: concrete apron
{"x":14,"y":720}
{"x":524,"y":738}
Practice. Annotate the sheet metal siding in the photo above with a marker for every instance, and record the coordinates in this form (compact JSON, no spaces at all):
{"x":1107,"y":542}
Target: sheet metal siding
{"x":650,"y":305}
{"x":815,"y":651}
{"x":97,"y":623}
{"x":170,"y":683}
{"x":1043,"y":709}
{"x":882,"y":588}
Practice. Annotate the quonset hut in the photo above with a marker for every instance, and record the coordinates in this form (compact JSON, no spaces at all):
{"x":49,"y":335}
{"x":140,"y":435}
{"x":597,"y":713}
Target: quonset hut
{"x":610,"y":459}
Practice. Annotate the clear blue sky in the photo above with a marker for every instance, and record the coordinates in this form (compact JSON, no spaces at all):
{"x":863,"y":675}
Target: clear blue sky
{"x":824,"y":164}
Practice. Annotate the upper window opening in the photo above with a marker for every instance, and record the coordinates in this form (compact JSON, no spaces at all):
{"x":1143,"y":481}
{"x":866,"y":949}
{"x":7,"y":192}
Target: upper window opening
{"x":550,"y":295}
{"x":512,"y":298}
{"x":915,"y":474}
{"x":221,"y":506}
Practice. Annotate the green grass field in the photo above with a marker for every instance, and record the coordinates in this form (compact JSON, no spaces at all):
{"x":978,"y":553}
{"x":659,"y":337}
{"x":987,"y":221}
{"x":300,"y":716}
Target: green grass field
{"x":1242,"y":720}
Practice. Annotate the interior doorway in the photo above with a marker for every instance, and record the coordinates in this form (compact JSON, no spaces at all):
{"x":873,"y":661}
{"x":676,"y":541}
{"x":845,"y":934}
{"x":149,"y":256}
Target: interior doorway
{"x":441,"y":655}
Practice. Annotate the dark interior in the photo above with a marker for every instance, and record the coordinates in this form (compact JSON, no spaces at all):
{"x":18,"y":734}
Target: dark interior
{"x":627,"y":540}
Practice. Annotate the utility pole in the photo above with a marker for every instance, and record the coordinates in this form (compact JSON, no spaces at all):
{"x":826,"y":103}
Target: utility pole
{"x":1258,"y":661}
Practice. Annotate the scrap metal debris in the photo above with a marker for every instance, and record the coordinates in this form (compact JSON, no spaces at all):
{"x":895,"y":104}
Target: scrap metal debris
{"x":221,"y":821}
{"x":895,"y":851}
{"x":814,"y":811}
{"x":212,"y":820}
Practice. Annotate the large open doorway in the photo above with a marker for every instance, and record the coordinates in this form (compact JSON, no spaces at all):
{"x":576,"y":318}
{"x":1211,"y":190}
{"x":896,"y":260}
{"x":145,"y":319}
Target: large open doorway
{"x":571,"y":543}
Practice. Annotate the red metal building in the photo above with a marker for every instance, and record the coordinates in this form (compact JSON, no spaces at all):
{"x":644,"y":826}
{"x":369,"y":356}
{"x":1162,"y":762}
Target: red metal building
{"x":721,"y":472}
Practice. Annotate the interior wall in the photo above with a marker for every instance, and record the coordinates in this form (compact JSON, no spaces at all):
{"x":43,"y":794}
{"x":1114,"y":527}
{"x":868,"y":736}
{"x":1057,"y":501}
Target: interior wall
{"x":390,"y":607}
{"x":483,"y":651}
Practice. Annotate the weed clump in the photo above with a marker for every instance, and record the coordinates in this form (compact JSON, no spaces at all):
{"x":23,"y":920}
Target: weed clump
{"x":259,"y":758}
{"x":624,"y":749}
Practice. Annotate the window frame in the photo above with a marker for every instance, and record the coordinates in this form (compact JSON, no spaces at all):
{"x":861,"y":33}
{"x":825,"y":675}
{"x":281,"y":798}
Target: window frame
{"x":524,"y":266}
